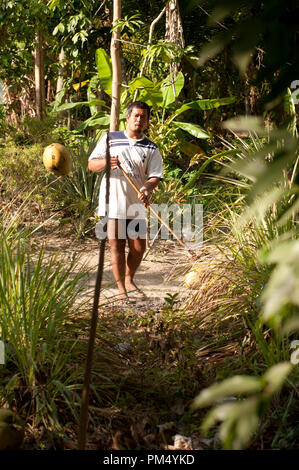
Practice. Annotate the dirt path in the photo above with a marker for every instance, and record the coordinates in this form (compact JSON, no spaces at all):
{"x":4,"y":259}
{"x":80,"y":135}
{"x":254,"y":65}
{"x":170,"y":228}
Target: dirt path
{"x":161,"y":272}
{"x":152,"y":361}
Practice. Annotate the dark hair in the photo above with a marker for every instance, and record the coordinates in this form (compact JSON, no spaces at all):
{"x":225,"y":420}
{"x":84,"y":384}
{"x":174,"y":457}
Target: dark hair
{"x":140,"y":105}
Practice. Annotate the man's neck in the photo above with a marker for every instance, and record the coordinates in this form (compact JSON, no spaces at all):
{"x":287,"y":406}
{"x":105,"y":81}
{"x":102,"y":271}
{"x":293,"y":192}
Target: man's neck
{"x":134,"y":136}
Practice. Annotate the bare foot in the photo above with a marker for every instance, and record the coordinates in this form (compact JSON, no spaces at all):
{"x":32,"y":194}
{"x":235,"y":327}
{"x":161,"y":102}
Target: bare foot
{"x":133,"y":289}
{"x":123,"y":296}
{"x":130,"y":285}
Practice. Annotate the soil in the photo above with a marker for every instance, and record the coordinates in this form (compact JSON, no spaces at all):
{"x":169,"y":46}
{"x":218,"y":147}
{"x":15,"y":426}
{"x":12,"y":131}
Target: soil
{"x":154,"y":360}
{"x":160,"y":273}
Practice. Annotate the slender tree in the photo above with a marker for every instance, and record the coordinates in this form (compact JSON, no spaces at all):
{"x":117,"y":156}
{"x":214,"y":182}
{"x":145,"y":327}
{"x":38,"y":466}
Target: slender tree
{"x":174,"y":29}
{"x":39,"y":70}
{"x":116,"y":68}
{"x":61,"y":71}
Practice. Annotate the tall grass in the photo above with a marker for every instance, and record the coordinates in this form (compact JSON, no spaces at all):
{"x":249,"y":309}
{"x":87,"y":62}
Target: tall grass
{"x":248,"y":254}
{"x":74,"y":198}
{"x":37,"y":298}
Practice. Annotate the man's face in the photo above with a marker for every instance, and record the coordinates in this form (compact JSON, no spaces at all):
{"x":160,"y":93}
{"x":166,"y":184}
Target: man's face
{"x":137,"y":121}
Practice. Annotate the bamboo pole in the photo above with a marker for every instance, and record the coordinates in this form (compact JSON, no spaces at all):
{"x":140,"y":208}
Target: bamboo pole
{"x":114,"y":125}
{"x":93,"y":322}
{"x":191,"y":252}
{"x":116,"y":68}
{"x":39,"y":76}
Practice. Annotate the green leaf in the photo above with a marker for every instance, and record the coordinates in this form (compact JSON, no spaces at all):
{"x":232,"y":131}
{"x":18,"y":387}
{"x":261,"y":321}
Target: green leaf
{"x":288,"y":212}
{"x":287,"y":252}
{"x":272,"y":173}
{"x":275,"y":377}
{"x":267,"y":166}
{"x":59,"y":98}
{"x":246,"y":422}
{"x":245,"y":123}
{"x":140,"y":82}
{"x":234,"y":386}
{"x":258,"y":209}
{"x":193,"y":129}
{"x":201,"y":105}
{"x":131,"y":23}
{"x":100,"y":119}
{"x":219,"y":413}
{"x":167,"y":88}
{"x":59,"y":28}
{"x":281,"y":289}
{"x":97,"y":120}
{"x":239,"y":421}
{"x":104,"y":66}
{"x":190,"y":149}
{"x":202,"y":168}
{"x":153,"y":97}
{"x":214,"y":47}
{"x":291,"y":325}
{"x":79,"y":104}
{"x":91,"y":95}
{"x":149,"y":92}
{"x":283,"y":285}
{"x":122,"y":124}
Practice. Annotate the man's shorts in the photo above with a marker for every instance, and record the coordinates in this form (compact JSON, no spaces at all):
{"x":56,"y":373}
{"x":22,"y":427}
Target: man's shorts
{"x":121,"y":229}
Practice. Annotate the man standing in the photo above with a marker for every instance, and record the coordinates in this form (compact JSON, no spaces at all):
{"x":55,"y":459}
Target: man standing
{"x":141,"y":160}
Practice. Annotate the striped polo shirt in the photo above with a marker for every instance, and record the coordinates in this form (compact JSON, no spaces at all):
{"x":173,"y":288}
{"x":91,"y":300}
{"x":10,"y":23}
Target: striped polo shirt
{"x":141,"y":160}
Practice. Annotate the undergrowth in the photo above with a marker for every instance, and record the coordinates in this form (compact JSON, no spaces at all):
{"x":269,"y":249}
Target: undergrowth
{"x":72,"y":199}
{"x":148,"y":364}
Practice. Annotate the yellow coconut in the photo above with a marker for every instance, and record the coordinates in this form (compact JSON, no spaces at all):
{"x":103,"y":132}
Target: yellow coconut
{"x":191,"y":279}
{"x":57,"y":158}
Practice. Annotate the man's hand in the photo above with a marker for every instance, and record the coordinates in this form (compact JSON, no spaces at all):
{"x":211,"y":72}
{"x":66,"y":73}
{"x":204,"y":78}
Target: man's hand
{"x":99,"y":164}
{"x":114,"y":162}
{"x":147,"y":188}
{"x":144,"y":195}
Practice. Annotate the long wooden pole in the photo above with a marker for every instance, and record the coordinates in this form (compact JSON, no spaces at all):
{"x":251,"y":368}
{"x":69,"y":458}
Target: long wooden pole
{"x":93,"y":322}
{"x":39,"y":77}
{"x":191,"y":252}
{"x":116,"y":68}
{"x":114,"y":125}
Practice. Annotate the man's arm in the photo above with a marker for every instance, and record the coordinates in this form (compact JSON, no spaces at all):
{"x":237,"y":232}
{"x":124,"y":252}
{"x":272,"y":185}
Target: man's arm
{"x":99,"y":164}
{"x":147,"y":188}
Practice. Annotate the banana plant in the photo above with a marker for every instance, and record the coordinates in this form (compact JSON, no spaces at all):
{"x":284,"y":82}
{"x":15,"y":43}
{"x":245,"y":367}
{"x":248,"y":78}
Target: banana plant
{"x":162,"y":97}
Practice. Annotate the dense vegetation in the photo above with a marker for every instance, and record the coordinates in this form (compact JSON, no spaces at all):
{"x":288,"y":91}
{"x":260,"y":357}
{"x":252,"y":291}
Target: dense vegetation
{"x":221,"y":80}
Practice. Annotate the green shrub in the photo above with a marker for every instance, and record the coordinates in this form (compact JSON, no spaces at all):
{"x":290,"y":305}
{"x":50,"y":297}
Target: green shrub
{"x":21,"y":168}
{"x":37,"y":297}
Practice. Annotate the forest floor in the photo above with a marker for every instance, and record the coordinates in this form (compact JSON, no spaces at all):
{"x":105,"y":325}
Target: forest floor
{"x":161,"y":271}
{"x":152,"y":356}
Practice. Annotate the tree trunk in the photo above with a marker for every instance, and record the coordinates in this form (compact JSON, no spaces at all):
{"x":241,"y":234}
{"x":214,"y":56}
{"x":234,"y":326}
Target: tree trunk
{"x":10,"y":101}
{"x":59,"y":84}
{"x":150,"y":38}
{"x":124,"y":77}
{"x":116,"y":69}
{"x":174,"y":29}
{"x":39,"y":78}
